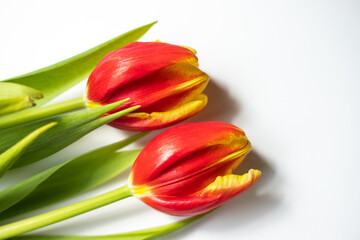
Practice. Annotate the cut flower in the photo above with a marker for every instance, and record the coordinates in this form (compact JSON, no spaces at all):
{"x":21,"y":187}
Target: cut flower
{"x":162,"y":78}
{"x":187,"y":170}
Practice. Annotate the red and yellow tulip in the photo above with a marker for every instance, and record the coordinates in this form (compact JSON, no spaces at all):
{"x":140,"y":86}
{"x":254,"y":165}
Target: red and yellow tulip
{"x":164,"y":79}
{"x":187,"y":170}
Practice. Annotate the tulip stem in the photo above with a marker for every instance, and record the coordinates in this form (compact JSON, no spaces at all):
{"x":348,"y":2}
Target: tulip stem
{"x":40,"y":113}
{"x":42,"y":220}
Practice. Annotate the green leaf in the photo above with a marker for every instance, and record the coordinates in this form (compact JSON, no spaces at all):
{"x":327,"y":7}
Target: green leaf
{"x":14,"y":90}
{"x":71,"y":127}
{"x":57,"y":78}
{"x":15,"y":97}
{"x":12,"y":105}
{"x":67,"y":179}
{"x":8,"y":158}
{"x":41,"y":113}
{"x":150,"y":233}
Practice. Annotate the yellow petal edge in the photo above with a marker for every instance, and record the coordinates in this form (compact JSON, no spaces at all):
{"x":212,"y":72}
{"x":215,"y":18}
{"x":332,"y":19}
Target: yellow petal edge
{"x":231,"y":181}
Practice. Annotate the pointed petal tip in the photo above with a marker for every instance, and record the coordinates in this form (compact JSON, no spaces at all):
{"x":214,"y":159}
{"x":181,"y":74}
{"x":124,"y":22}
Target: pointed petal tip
{"x":254,"y":174}
{"x":191,"y":49}
{"x":232,"y":184}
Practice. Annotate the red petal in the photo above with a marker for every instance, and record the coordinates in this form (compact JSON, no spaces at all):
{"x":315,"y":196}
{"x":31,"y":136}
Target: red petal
{"x":193,"y":173}
{"x":175,"y":144}
{"x":132,"y":62}
{"x":163,"y":90}
{"x":150,"y":121}
{"x":217,"y":193}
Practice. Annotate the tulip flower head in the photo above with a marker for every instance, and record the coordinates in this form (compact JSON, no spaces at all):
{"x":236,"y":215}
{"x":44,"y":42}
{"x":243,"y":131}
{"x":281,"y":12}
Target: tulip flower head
{"x":187,"y":169}
{"x":164,"y":79}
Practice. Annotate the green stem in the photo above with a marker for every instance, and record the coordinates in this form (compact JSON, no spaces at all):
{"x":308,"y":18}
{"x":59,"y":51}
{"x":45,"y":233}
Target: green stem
{"x":42,"y":220}
{"x":150,"y":233}
{"x":40,"y":113}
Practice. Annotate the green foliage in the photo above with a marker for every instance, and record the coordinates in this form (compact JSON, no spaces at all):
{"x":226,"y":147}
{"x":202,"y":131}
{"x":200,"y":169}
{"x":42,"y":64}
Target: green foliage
{"x":13,"y":90}
{"x":67,"y":179}
{"x":71,"y":127}
{"x":151,"y":233}
{"x":15,"y":97}
{"x":8,"y":158}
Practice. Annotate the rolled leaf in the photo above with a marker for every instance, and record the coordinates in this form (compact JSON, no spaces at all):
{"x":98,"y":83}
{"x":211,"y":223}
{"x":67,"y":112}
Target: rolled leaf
{"x":67,"y":179}
{"x":71,"y":127}
{"x":13,"y":90}
{"x":15,"y":97}
{"x":12,"y":120}
{"x":8,"y":158}
{"x":12,"y":105}
{"x":57,"y":78}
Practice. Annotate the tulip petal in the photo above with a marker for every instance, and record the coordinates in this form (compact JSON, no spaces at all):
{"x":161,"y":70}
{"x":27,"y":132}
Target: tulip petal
{"x":194,"y":137}
{"x":230,"y":185}
{"x":223,"y":189}
{"x":149,"y":121}
{"x":198,"y":170}
{"x":163,"y":90}
{"x":132,"y":62}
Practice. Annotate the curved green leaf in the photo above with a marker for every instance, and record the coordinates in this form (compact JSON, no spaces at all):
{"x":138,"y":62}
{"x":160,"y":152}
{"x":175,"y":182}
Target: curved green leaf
{"x":71,"y":127}
{"x":57,"y":78}
{"x":8,"y":158}
{"x":12,"y":105}
{"x":150,"y":233}
{"x":67,"y":179}
{"x":14,"y":90}
{"x":15,"y":97}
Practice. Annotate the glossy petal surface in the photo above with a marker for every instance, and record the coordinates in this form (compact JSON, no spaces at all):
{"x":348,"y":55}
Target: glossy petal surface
{"x":177,"y":143}
{"x":181,"y":81}
{"x":163,"y":79}
{"x":214,"y":195}
{"x":187,"y":169}
{"x":132,"y":62}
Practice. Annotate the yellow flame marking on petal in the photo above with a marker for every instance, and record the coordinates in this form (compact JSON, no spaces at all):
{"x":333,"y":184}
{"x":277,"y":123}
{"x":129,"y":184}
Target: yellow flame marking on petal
{"x":204,"y":78}
{"x":196,"y":83}
{"x":190,"y":48}
{"x":145,"y":190}
{"x":184,"y":111}
{"x":138,"y":191}
{"x":93,"y":104}
{"x":191,"y":88}
{"x":185,"y":70}
{"x":231,"y":181}
{"x":242,"y":152}
{"x":141,"y":191}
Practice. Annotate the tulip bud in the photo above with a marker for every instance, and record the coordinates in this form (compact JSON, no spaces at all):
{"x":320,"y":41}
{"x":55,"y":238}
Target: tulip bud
{"x":163,"y":79}
{"x":15,"y":97}
{"x":187,"y":169}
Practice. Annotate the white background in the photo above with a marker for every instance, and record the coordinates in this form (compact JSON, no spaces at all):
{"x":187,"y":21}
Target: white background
{"x":287,"y":72}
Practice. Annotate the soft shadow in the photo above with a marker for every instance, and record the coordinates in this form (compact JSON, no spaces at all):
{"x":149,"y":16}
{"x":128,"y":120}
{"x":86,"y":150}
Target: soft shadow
{"x":105,"y":217}
{"x":255,"y":161}
{"x":146,"y":139}
{"x":249,"y":207}
{"x":221,"y":106}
